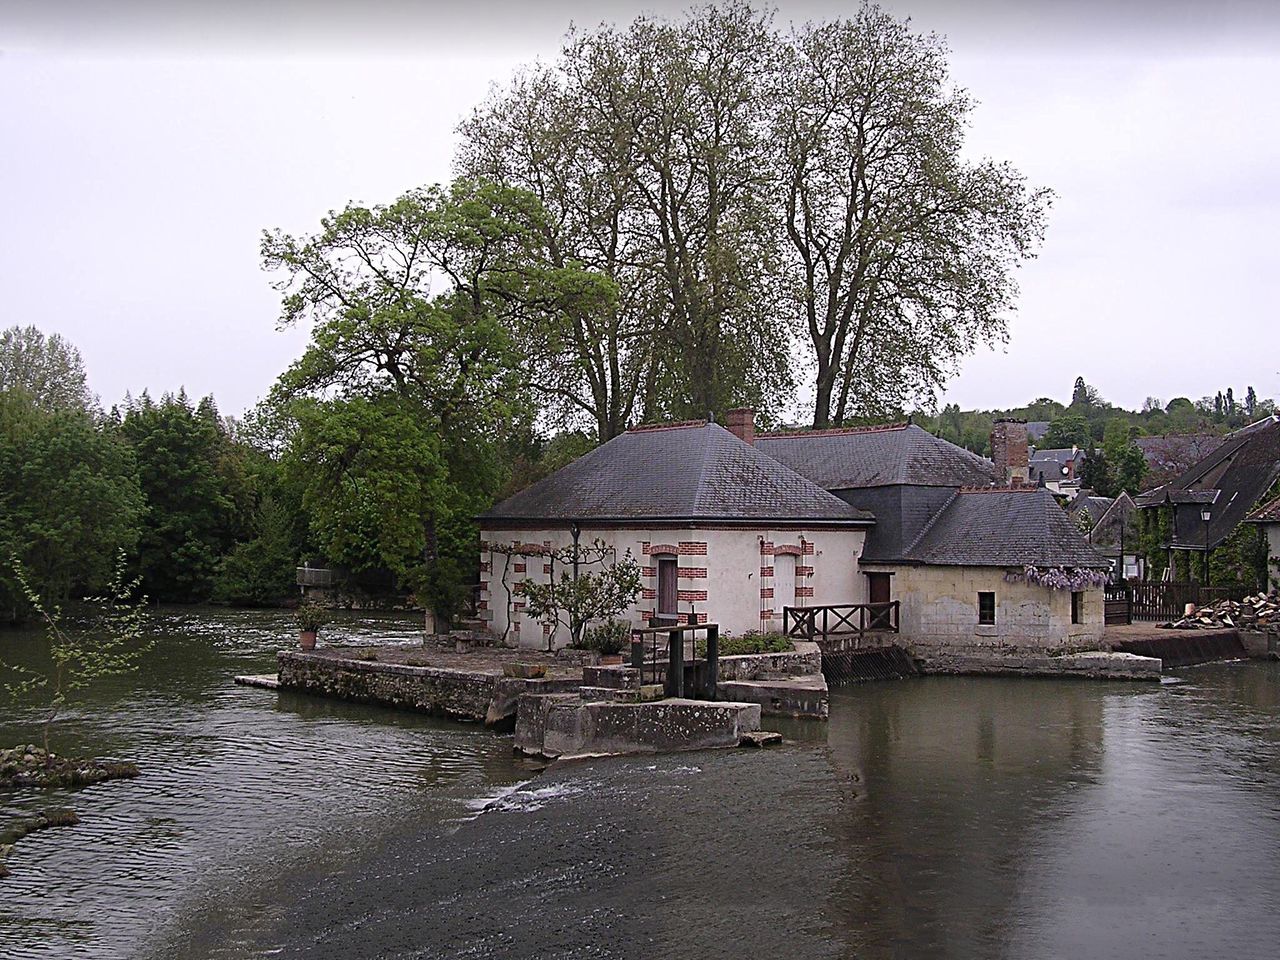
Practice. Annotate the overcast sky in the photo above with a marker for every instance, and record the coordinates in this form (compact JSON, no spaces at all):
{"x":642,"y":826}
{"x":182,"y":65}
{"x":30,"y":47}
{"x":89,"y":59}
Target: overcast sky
{"x":144,"y":147}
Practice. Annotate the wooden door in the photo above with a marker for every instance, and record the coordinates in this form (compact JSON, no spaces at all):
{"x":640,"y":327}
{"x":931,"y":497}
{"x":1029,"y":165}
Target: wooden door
{"x":880,"y":593}
{"x":668,"y":595}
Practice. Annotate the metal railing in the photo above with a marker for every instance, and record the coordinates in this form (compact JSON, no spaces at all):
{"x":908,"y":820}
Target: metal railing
{"x":704,"y":674}
{"x":808,"y":623}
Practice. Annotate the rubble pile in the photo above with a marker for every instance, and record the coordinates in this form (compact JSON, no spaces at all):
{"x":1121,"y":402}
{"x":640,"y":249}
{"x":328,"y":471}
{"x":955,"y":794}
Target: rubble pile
{"x":1254,"y":612}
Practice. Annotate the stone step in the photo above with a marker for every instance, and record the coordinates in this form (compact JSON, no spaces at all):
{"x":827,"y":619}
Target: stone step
{"x":609,"y":694}
{"x":615,"y":677}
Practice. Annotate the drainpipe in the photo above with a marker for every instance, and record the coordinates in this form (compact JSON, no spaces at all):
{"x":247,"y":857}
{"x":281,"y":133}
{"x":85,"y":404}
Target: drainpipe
{"x":574,"y":626}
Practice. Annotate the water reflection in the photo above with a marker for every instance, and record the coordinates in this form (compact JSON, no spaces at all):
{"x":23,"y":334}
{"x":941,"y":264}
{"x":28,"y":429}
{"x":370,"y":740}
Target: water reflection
{"x":932,"y":818}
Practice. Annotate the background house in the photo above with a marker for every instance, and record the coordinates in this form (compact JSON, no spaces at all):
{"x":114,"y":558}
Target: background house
{"x":1201,"y":509}
{"x":1057,"y":470}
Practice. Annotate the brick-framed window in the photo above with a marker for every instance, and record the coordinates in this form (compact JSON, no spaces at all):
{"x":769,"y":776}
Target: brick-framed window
{"x":986,"y":607}
{"x":1077,"y":606}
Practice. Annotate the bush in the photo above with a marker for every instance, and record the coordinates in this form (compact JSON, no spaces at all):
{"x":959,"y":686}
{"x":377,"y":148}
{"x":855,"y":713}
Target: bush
{"x":753,"y":641}
{"x":608,"y":638}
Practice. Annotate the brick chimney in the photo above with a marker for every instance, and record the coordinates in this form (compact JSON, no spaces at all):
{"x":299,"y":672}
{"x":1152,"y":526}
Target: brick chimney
{"x":742,"y":424}
{"x":1009,"y":451}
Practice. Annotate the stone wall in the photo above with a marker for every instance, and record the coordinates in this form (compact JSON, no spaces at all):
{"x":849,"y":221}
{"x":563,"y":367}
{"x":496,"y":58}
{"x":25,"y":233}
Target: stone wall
{"x":939,"y":612}
{"x":459,"y":694}
{"x":562,"y":727}
{"x":805,"y":660}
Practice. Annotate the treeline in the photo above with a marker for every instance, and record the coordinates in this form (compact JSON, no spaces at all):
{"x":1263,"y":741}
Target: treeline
{"x":670,"y":219}
{"x":1105,"y":431}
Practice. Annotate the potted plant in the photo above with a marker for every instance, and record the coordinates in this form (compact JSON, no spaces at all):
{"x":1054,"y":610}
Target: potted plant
{"x":609,"y":639}
{"x":311,"y":616}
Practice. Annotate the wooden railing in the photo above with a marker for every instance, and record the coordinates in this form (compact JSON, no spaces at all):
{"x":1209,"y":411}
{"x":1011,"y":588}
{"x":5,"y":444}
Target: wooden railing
{"x":808,"y":623}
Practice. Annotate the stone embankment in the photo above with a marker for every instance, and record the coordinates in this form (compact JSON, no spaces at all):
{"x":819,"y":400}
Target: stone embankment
{"x":481,"y":694}
{"x":1089,"y":665}
{"x":783,"y":684}
{"x":565,"y":727}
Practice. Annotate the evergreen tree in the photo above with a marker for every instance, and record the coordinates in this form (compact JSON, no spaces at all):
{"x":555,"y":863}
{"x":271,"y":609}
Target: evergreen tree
{"x":194,"y":494}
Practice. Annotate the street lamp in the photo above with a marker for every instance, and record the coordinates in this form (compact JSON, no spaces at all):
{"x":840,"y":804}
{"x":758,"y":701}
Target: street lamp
{"x":1205,"y":515}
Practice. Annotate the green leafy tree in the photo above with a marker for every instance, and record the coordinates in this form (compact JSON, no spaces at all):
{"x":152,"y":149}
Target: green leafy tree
{"x":735,"y":180}
{"x":262,"y":571}
{"x":900,"y":250}
{"x":1095,"y":474}
{"x":196,"y":496}
{"x":1066,"y":432}
{"x":48,"y":369}
{"x":69,"y":498}
{"x":401,"y":405}
{"x":601,"y":587}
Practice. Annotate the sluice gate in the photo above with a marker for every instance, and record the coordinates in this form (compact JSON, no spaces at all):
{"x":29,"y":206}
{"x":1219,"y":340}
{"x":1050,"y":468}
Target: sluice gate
{"x":859,"y":664}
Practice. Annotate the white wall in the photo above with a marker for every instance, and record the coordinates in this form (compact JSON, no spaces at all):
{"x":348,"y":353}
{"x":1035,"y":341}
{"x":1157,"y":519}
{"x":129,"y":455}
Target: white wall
{"x":725,"y":574}
{"x":940,"y":610}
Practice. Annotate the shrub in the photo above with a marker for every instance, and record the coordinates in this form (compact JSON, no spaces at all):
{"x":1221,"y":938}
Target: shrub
{"x":754,"y":641}
{"x":608,"y":638}
{"x":311,"y":615}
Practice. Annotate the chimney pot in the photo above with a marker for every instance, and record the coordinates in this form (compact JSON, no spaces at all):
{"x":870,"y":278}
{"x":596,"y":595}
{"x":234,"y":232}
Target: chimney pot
{"x":742,"y":424}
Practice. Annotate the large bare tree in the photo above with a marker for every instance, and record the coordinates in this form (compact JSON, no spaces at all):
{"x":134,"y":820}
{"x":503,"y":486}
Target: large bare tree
{"x":901,"y":251}
{"x":757,"y":194}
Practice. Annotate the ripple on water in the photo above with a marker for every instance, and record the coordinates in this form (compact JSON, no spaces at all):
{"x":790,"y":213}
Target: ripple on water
{"x":237,"y":782}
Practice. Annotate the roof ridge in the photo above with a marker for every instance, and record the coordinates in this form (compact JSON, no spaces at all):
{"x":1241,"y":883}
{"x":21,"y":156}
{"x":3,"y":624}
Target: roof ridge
{"x":833,"y":431}
{"x":907,"y":550}
{"x":672,"y":425}
{"x":1022,"y":488}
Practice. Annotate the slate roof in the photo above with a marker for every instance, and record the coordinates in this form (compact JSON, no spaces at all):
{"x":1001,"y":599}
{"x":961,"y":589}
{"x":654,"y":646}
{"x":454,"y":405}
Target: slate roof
{"x":691,"y":471}
{"x":1003,"y":528}
{"x":1232,"y":478}
{"x":1170,"y":455}
{"x":900,"y":453}
{"x":1047,"y":464}
{"x":1037,"y":429}
{"x":1267,"y":513}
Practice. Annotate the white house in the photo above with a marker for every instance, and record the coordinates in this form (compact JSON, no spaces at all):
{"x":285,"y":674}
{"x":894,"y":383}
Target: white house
{"x":721,"y":531}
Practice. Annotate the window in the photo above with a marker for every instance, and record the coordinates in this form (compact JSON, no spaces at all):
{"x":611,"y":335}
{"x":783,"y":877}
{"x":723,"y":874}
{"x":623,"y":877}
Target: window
{"x":986,"y":607}
{"x":1077,"y":605}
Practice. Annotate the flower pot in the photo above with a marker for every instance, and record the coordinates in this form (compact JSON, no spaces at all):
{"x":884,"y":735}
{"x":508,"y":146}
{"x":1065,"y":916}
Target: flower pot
{"x":307,"y":639}
{"x":610,"y":659}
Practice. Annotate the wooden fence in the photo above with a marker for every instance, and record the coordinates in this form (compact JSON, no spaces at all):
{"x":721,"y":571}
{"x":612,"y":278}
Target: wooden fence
{"x":1161,"y":602}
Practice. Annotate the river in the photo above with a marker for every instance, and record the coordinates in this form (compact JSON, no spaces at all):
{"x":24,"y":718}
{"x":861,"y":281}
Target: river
{"x":930,"y":818}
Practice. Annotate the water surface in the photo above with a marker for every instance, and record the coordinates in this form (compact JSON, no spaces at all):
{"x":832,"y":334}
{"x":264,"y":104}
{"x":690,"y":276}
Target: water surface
{"x":930,"y":818}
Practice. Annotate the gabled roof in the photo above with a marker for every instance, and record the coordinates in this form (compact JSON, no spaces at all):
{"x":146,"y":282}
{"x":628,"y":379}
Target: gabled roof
{"x":1009,"y":527}
{"x":1168,"y":456}
{"x":692,"y":471}
{"x":899,"y":453}
{"x":1231,"y":479}
{"x":1267,"y":513}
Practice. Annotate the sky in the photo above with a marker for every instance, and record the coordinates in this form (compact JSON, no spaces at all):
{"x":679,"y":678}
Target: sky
{"x":144,"y":146}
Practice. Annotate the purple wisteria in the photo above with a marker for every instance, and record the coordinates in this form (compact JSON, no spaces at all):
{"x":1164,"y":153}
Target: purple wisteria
{"x":1058,"y":578}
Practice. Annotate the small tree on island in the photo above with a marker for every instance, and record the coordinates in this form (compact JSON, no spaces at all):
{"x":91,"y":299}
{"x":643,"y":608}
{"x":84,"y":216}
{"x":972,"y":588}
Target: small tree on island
{"x":109,"y":643}
{"x":580,"y":597}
